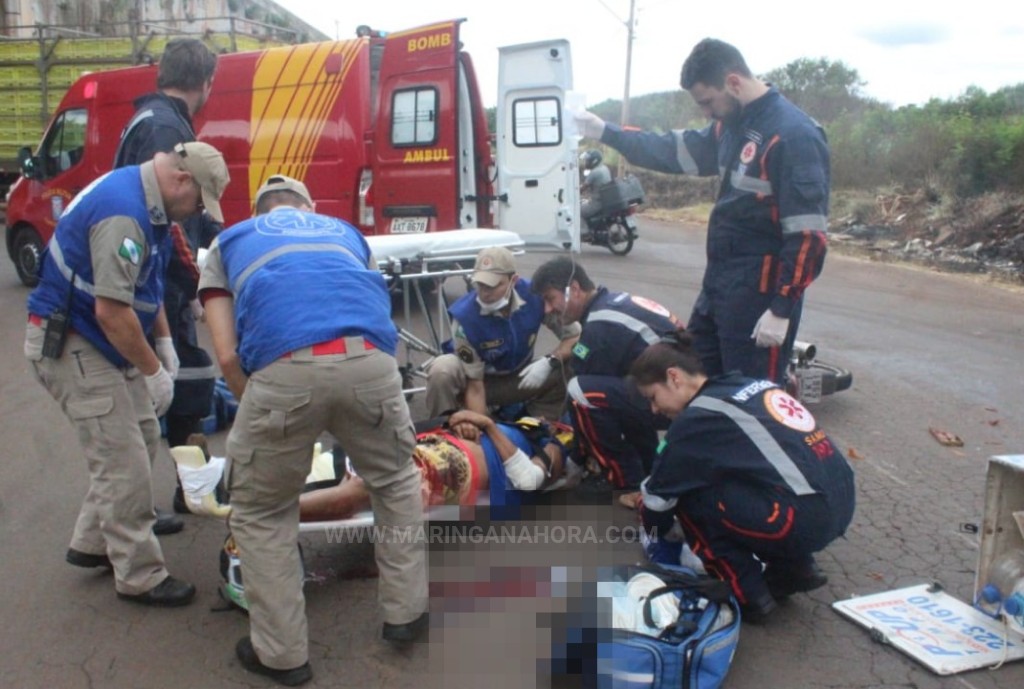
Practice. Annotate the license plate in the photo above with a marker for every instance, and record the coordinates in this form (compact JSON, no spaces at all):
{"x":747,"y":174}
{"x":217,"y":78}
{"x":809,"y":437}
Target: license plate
{"x":408,"y":225}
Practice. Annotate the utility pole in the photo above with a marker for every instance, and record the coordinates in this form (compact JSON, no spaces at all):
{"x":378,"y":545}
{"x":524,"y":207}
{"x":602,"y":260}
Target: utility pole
{"x":630,"y":25}
{"x":624,"y":117}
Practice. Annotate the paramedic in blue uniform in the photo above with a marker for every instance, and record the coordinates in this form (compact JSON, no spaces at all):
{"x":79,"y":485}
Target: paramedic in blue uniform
{"x":749,"y":474}
{"x":613,"y":423}
{"x":301,"y":325}
{"x":103,"y":271}
{"x":767,"y":232}
{"x":495,"y":328}
{"x":162,"y":120}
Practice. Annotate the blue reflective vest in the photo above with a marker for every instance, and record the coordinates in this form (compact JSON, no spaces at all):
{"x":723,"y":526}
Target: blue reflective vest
{"x":505,"y":345}
{"x":299,"y":279}
{"x":118,"y":193}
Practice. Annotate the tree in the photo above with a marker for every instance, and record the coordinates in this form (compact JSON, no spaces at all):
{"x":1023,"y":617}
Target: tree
{"x":823,"y":89}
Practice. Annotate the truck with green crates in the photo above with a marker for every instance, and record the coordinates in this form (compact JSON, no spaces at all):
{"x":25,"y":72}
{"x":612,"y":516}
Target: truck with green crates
{"x":36,"y":72}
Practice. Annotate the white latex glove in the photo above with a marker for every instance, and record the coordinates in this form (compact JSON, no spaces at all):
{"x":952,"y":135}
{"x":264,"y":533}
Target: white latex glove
{"x":168,"y":357}
{"x":770,"y":330}
{"x":161,"y":390}
{"x":588,"y":124}
{"x":198,"y":312}
{"x":534,"y":375}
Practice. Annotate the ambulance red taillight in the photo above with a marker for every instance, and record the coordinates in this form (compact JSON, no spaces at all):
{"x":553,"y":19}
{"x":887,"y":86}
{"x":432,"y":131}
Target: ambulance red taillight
{"x":366,"y":197}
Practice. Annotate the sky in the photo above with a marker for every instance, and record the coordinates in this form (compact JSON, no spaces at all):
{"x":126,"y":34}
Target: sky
{"x":906,"y":52}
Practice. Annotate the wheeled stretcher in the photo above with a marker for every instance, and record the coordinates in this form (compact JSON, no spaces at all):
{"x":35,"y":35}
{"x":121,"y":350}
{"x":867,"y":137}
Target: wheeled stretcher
{"x":200,"y":477}
{"x":417,"y":264}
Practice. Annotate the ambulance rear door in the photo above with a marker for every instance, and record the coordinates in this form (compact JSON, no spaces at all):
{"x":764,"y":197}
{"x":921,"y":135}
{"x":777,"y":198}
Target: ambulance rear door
{"x":538,"y":182}
{"x":416,"y":178}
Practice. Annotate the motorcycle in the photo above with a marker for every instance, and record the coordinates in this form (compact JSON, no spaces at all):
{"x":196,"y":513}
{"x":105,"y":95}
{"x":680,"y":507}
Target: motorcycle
{"x":613,"y":225}
{"x":809,"y":379}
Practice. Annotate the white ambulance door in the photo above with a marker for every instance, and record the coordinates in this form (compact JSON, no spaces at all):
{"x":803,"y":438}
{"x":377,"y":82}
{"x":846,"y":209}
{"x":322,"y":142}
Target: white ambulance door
{"x":538,"y":177}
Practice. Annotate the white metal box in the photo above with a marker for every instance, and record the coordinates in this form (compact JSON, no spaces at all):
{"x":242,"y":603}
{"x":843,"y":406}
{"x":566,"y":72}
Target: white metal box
{"x":1002,"y":526}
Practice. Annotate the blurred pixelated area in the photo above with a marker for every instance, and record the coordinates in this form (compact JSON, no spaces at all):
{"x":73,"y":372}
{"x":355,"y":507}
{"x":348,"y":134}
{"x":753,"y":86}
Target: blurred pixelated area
{"x":505,"y":593}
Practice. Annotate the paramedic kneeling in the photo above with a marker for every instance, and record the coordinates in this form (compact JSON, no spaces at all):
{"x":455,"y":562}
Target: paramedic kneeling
{"x":749,"y":474}
{"x":495,"y":327}
{"x":301,"y":324}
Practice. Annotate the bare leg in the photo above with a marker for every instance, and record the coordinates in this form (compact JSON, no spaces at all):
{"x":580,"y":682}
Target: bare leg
{"x":338,"y":502}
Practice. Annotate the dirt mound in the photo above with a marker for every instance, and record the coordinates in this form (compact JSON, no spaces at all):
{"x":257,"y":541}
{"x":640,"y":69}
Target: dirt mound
{"x":982,"y":235}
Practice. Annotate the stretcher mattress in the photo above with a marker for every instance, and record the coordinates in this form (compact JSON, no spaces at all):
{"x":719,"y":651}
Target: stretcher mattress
{"x":439,"y":244}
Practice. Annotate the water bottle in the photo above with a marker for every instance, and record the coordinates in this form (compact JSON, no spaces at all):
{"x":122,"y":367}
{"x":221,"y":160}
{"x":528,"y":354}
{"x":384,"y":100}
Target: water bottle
{"x":1004,"y":591}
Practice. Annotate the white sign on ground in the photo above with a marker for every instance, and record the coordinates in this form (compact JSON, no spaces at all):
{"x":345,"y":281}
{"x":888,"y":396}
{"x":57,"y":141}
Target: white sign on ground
{"x":946,"y":635}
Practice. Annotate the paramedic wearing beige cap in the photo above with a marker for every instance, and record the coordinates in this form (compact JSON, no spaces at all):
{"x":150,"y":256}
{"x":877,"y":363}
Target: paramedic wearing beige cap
{"x":98,"y":301}
{"x":302,"y":330}
{"x":495,"y":327}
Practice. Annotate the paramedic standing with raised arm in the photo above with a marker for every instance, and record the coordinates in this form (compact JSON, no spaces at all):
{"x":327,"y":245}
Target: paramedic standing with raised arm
{"x":766,"y":235}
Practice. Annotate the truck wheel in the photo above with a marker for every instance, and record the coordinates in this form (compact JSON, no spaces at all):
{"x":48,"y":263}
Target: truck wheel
{"x":620,"y":239}
{"x":27,"y":250}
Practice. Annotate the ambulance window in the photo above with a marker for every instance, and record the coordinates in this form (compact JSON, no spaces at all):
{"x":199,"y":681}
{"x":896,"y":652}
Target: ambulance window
{"x":537,"y":122}
{"x":414,"y":117}
{"x":64,"y":143}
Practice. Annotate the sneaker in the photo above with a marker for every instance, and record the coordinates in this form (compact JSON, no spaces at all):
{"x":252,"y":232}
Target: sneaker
{"x":167,"y":523}
{"x":169,"y":593}
{"x":783,"y":581}
{"x":408,"y":632}
{"x":251,"y":662}
{"x":80,"y":559}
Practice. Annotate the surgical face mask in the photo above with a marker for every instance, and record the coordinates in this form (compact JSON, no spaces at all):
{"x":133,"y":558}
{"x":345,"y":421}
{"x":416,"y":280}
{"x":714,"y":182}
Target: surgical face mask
{"x":494,"y":307}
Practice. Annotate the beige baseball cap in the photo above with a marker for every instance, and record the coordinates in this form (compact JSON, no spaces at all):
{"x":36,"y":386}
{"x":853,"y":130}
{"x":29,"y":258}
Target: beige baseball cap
{"x":207,"y":167}
{"x":284,"y":183}
{"x":492,"y":264}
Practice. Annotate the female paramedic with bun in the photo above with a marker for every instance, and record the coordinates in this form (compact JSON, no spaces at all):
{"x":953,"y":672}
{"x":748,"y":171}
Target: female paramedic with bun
{"x":757,"y":487}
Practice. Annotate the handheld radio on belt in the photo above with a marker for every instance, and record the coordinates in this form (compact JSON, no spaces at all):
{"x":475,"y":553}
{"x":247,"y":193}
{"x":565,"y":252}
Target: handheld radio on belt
{"x":56,"y":332}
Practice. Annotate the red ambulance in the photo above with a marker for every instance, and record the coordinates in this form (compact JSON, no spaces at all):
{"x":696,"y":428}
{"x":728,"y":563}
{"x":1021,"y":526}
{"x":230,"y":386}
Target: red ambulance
{"x":388,"y":131}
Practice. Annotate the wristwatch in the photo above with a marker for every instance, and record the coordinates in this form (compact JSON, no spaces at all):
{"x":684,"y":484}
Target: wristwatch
{"x":554,"y":361}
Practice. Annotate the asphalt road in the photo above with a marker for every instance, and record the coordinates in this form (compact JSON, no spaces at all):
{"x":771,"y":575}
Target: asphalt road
{"x":927,"y":350}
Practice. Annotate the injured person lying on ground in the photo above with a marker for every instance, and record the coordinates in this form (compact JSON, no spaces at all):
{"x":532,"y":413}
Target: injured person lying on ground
{"x":468,"y":459}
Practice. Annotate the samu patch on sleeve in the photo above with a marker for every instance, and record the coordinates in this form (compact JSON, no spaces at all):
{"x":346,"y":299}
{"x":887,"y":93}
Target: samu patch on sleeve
{"x":580,"y":350}
{"x":130,"y":251}
{"x":465,"y":354}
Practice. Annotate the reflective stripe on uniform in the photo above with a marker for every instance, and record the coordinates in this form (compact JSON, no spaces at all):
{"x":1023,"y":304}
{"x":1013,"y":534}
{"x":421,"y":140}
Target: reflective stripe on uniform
{"x":635,"y":324}
{"x":576,"y":393}
{"x":58,"y":260}
{"x":196,"y":373}
{"x":754,"y":185}
{"x":763,"y":441}
{"x":802,"y":223}
{"x":683,"y":157}
{"x":280,"y":251}
{"x":88,"y":287}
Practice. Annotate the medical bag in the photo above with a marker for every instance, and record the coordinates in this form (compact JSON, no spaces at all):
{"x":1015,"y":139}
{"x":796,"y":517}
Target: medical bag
{"x":656,"y":626}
